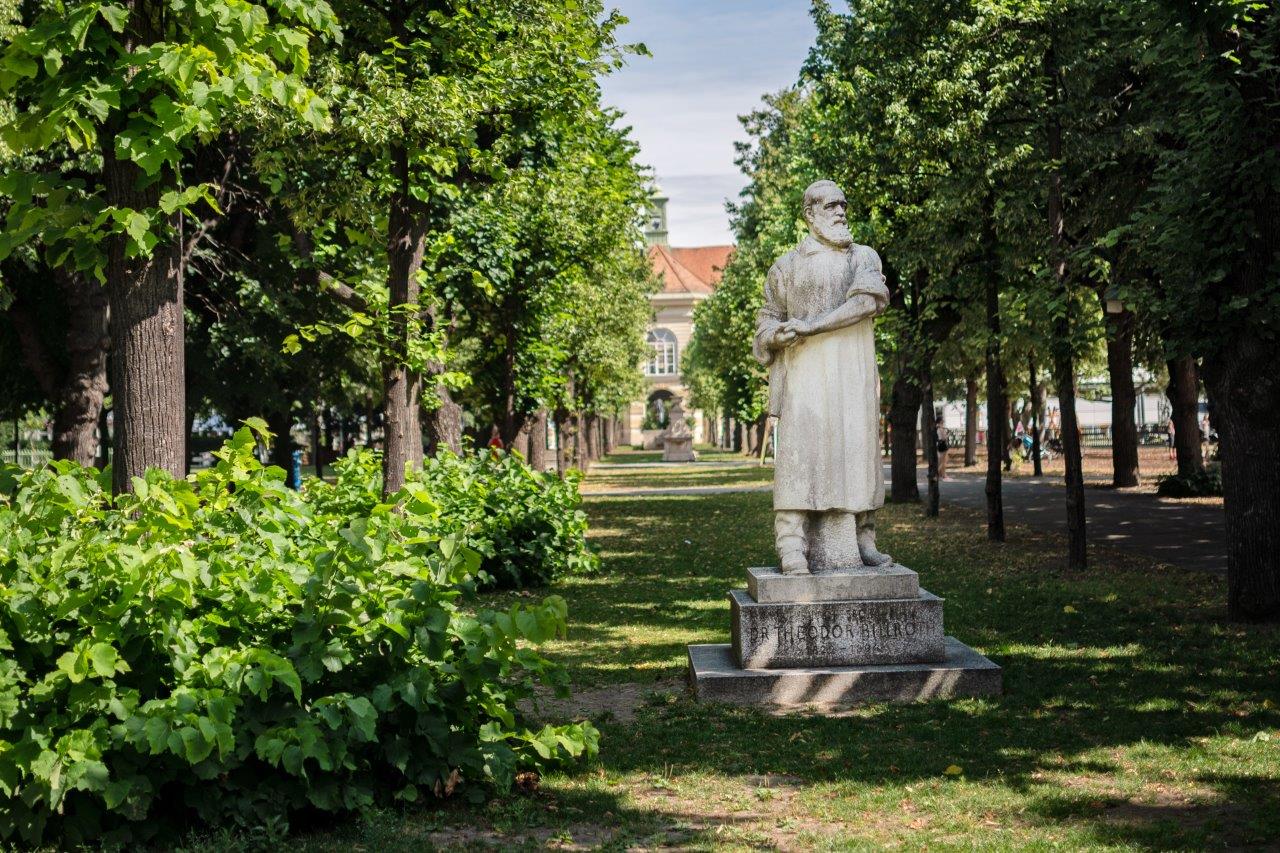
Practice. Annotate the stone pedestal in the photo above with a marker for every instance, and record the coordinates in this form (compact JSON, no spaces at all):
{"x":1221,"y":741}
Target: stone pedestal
{"x":678,"y":448}
{"x":834,"y":639}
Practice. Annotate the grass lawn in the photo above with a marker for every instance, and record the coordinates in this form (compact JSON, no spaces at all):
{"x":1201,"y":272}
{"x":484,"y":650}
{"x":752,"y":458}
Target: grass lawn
{"x":1133,"y":718}
{"x":677,"y":478}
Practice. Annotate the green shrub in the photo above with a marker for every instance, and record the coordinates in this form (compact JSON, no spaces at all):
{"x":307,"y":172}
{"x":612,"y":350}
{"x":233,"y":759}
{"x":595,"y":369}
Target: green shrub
{"x":528,"y":526}
{"x":226,"y":650}
{"x":1204,"y":483}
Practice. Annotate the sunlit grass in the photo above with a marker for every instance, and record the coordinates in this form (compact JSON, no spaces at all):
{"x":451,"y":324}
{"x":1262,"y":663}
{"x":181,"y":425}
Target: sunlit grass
{"x":1134,"y":717}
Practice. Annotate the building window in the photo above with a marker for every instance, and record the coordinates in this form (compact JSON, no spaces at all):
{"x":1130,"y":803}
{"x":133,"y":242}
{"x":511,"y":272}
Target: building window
{"x":664,"y":359}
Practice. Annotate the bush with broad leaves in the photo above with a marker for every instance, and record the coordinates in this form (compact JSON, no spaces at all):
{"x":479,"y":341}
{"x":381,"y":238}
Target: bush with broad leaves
{"x":224,"y":650}
{"x":528,"y":526}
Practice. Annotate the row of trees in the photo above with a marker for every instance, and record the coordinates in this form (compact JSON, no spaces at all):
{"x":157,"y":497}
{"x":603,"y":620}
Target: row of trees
{"x":1021,"y":168}
{"x":308,"y":210}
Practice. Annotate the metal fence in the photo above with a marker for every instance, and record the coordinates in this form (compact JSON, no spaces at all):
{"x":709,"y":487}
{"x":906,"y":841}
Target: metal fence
{"x":27,"y":458}
{"x":1091,"y":436}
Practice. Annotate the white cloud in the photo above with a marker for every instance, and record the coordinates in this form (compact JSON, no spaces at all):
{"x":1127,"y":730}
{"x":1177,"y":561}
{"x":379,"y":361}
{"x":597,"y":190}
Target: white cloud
{"x":712,"y":61}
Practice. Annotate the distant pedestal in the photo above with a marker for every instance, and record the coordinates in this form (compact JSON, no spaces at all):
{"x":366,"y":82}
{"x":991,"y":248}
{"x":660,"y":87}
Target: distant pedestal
{"x":678,"y":448}
{"x":831,"y":640}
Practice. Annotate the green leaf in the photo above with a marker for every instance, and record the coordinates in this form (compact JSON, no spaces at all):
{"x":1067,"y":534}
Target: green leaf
{"x":117,"y":17}
{"x":104,"y":658}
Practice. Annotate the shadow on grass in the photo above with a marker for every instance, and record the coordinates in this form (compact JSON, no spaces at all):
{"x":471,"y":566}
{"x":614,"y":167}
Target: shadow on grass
{"x":1127,"y":662}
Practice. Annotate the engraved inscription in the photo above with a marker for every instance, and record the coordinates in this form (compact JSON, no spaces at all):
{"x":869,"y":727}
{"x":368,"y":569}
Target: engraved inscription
{"x":843,"y":633}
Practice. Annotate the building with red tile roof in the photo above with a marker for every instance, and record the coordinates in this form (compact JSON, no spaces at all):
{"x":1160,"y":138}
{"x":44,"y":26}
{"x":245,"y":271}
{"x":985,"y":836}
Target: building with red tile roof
{"x":688,"y":276}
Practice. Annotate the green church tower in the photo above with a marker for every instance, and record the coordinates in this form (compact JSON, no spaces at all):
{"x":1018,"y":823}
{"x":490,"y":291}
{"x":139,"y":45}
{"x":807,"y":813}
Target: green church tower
{"x":655,"y":226}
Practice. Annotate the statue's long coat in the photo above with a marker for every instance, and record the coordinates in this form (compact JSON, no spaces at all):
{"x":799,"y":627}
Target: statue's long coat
{"x":825,"y":388}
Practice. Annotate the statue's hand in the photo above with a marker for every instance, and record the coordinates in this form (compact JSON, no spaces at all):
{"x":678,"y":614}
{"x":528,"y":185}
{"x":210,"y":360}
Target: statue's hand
{"x":798,"y":328}
{"x":784,"y":337}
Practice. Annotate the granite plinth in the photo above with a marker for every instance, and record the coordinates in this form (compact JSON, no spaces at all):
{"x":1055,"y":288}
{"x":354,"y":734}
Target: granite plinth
{"x":716,"y":677}
{"x":767,"y":585}
{"x":836,"y":633}
{"x":676,"y":448}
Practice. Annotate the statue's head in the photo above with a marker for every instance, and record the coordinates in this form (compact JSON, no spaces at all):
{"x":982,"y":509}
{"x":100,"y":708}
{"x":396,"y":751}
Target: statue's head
{"x":824,"y":210}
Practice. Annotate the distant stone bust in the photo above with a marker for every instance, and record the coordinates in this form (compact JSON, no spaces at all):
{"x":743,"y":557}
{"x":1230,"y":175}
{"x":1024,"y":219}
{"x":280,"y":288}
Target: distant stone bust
{"x":815,"y":333}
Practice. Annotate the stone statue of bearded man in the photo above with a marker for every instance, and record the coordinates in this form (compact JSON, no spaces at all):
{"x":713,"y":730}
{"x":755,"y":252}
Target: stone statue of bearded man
{"x":815,"y":333}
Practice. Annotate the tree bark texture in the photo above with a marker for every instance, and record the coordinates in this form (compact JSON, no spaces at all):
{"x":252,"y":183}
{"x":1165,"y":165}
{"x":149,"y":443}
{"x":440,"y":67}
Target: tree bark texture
{"x":1124,"y":426}
{"x":607,"y":433}
{"x":77,"y":393}
{"x":970,"y":421}
{"x":1184,"y":400}
{"x":1240,"y":368}
{"x":538,"y":441}
{"x":592,"y":436}
{"x":317,"y":460}
{"x":84,"y":386}
{"x":279,"y":423}
{"x":1064,"y":374}
{"x":104,"y":439}
{"x":930,"y":444}
{"x":1063,"y":359}
{"x":148,"y":385}
{"x":995,"y":381}
{"x":443,"y":422}
{"x":564,"y":441}
{"x":406,"y":242}
{"x":904,"y":411}
{"x":1245,"y":390}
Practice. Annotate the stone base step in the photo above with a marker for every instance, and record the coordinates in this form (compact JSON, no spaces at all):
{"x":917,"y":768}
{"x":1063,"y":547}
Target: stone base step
{"x":767,"y":585}
{"x":963,"y":672}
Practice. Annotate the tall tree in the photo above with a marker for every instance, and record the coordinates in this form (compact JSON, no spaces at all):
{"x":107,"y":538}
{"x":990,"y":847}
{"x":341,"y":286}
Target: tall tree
{"x":133,"y":86}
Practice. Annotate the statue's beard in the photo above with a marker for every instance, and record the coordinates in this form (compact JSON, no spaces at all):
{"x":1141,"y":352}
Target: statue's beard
{"x":833,"y":234}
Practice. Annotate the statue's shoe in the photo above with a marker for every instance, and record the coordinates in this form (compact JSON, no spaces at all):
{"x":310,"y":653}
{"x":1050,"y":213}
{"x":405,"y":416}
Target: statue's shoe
{"x":872,"y":557}
{"x":794,"y":563}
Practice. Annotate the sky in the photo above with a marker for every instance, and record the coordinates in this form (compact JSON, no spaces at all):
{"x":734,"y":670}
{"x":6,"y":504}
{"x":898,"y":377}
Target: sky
{"x":712,"y":60}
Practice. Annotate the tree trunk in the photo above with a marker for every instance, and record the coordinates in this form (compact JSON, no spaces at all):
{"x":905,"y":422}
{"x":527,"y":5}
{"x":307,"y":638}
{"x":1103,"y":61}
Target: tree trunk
{"x":1124,"y":427}
{"x":995,"y":380}
{"x":577,"y":444}
{"x":521,"y":443}
{"x":930,"y":443}
{"x":589,"y":423}
{"x":606,"y":435}
{"x":564,"y":441}
{"x":1037,"y":406}
{"x":406,"y":241}
{"x":970,"y":421}
{"x":1063,"y":359}
{"x":1184,"y":398}
{"x":104,"y":438}
{"x":148,"y":386}
{"x":904,"y":411}
{"x":84,"y":385}
{"x":444,"y":422}
{"x":538,"y":441}
{"x":76,"y":393}
{"x":1064,"y":373}
{"x":1246,"y":396}
{"x":316,"y":460}
{"x":282,"y":447}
